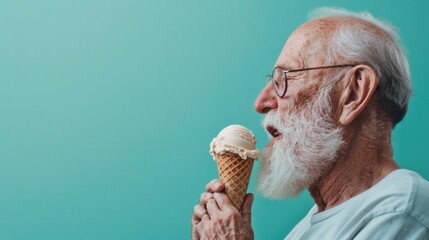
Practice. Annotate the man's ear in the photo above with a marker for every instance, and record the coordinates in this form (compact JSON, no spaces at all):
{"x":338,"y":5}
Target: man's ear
{"x":358,"y":92}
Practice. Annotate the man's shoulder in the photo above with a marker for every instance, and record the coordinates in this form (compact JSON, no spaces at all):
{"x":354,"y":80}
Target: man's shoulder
{"x":403,"y":191}
{"x":418,"y":201}
{"x":402,"y":181}
{"x":405,"y":183}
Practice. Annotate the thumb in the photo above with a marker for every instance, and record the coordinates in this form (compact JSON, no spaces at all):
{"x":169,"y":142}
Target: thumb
{"x":247,"y":209}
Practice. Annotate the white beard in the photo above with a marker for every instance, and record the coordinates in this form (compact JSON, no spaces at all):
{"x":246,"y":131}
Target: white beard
{"x":306,"y":149}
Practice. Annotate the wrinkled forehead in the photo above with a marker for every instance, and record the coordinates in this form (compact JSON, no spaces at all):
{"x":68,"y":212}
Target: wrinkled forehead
{"x":307,"y":46}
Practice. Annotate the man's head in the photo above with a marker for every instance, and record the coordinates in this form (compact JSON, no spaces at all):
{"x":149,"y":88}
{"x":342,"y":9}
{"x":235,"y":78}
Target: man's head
{"x":322,"y":107}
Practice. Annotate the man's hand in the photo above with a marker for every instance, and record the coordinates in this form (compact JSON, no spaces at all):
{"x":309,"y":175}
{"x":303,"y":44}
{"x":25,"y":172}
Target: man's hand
{"x":216,"y":218}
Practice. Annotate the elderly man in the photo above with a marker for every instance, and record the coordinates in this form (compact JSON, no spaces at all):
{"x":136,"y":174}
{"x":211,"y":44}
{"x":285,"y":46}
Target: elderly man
{"x":338,"y":88}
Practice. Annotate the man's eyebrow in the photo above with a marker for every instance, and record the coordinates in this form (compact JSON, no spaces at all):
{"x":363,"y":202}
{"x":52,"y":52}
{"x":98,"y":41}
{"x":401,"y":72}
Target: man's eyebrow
{"x":291,"y":64}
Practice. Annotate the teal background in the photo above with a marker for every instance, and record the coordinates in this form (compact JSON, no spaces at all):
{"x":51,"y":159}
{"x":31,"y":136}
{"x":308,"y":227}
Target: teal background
{"x":108,"y":109}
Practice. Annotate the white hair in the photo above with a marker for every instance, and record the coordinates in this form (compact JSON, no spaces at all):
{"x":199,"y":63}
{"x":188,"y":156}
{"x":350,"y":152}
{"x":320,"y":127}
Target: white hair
{"x":380,"y":50}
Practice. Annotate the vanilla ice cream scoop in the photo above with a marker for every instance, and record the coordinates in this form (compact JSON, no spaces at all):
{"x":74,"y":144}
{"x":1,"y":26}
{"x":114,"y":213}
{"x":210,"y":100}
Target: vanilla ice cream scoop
{"x":235,"y":139}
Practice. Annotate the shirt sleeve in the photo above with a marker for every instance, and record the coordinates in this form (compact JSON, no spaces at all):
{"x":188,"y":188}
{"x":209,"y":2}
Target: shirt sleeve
{"x":396,"y":225}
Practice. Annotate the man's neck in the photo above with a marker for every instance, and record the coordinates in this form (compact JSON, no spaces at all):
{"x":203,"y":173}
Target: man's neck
{"x":363,"y":163}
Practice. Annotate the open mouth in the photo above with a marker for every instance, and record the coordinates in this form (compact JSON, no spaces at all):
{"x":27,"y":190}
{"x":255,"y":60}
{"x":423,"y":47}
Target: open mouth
{"x":273,"y":131}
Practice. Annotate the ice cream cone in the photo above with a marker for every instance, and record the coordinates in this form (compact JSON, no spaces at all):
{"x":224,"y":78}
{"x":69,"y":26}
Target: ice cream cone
{"x":234,"y":150}
{"x":234,"y":173}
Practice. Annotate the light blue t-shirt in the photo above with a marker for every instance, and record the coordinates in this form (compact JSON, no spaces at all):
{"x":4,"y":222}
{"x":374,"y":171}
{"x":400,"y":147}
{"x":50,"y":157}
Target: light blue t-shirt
{"x":397,"y":207}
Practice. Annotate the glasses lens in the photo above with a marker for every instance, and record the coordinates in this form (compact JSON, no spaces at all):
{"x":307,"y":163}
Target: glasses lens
{"x":279,"y":81}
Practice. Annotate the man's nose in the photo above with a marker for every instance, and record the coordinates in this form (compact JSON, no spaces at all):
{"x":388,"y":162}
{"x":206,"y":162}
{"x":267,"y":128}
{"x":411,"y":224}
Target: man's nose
{"x":266,"y":100}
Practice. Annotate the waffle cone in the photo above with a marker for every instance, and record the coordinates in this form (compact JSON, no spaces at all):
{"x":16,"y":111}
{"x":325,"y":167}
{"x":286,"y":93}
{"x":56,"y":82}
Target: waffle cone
{"x":234,"y":173}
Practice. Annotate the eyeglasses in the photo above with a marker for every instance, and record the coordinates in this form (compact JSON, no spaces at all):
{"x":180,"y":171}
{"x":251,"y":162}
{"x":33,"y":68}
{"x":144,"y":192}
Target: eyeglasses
{"x":279,"y":77}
